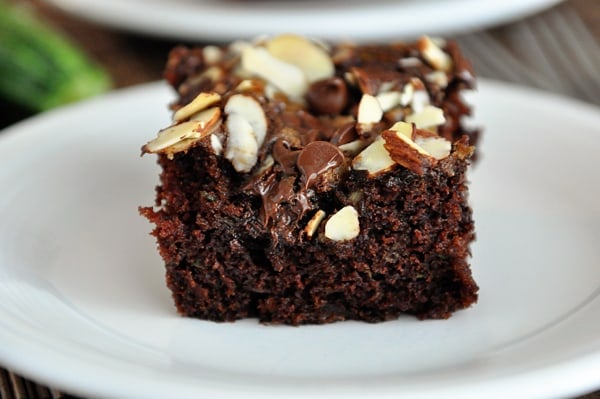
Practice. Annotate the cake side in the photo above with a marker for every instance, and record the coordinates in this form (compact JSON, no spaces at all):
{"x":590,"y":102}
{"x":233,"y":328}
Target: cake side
{"x":339,"y":194}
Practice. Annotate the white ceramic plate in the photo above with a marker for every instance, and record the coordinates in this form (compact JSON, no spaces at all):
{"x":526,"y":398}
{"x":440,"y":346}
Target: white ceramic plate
{"x":83,"y":305}
{"x":204,"y":20}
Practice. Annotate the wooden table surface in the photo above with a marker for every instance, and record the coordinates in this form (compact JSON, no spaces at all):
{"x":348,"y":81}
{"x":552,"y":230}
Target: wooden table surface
{"x":132,"y":60}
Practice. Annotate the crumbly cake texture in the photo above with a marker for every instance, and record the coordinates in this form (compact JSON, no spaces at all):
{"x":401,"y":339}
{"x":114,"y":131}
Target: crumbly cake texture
{"x":306,"y":183}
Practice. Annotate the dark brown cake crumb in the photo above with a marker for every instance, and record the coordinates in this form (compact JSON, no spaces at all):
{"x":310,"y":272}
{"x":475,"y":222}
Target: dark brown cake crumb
{"x":307,"y":184}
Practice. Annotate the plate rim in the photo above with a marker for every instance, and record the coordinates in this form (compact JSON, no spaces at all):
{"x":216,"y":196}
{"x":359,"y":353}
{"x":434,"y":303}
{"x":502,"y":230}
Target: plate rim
{"x":40,"y":372}
{"x":234,"y":21}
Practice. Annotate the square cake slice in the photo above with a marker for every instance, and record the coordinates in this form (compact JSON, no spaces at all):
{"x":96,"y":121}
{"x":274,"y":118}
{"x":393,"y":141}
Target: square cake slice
{"x":307,"y":183}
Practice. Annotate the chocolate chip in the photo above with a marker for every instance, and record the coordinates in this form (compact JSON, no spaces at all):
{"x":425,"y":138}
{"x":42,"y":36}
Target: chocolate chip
{"x":317,"y":158}
{"x":328,"y":96}
{"x":344,"y":134}
{"x":285,"y":155}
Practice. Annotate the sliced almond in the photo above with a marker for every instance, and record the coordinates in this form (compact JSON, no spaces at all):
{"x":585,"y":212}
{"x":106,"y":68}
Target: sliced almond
{"x":237,"y":47}
{"x":250,"y":109}
{"x":429,"y":116}
{"x":171,"y":135}
{"x":420,"y":99}
{"x":406,"y":152}
{"x":250,"y":85}
{"x":286,"y":77}
{"x":405,"y":128}
{"x":385,"y":87}
{"x":395,"y":114}
{"x":215,"y":143}
{"x":202,"y":101}
{"x":242,"y":147}
{"x":267,"y":163}
{"x":313,"y":223}
{"x":180,"y":146}
{"x":182,"y":136}
{"x":350,"y":79}
{"x":247,"y":127}
{"x":407,"y":94}
{"x":437,"y":147}
{"x":439,"y":41}
{"x":439,"y":78}
{"x":212,"y":54}
{"x":409,"y":62}
{"x":434,"y":55}
{"x":369,"y":110}
{"x":312,"y":59}
{"x":343,"y":225}
{"x":207,"y":117}
{"x":375,"y":159}
{"x":212,"y":73}
{"x":352,"y":148}
{"x":388,"y":100}
{"x":187,"y":143}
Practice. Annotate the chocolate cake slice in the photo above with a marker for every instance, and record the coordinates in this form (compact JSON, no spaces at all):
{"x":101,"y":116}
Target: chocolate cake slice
{"x":306,"y":183}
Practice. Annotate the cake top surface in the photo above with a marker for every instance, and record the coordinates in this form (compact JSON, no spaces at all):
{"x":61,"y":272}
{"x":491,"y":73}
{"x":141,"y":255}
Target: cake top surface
{"x":294,"y":117}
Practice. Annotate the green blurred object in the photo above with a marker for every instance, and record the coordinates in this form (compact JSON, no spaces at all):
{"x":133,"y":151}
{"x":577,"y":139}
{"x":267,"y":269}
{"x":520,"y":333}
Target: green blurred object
{"x":39,"y":68}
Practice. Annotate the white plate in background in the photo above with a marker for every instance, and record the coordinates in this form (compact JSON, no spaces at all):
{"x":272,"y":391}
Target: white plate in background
{"x":84,"y":307}
{"x":357,"y":20}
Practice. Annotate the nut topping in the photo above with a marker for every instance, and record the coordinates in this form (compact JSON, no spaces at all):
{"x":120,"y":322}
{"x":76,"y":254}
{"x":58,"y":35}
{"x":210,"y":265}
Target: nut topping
{"x":353,"y":147}
{"x":171,"y":135}
{"x":375,"y":159}
{"x":388,"y":100}
{"x":216,"y":144}
{"x":247,"y":127}
{"x":250,"y":109}
{"x":300,"y":122}
{"x":242,"y":147}
{"x":212,"y":54}
{"x":409,"y":62}
{"x":343,"y":225}
{"x":438,"y":77}
{"x":429,"y":116}
{"x":201,"y":102}
{"x":207,"y":117}
{"x":314,"y":222}
{"x":404,"y":128}
{"x":437,"y":147}
{"x":369,"y":110}
{"x":406,"y":152}
{"x":408,"y":92}
{"x":312,"y":59}
{"x":285,"y":76}
{"x":434,"y":55}
{"x":181,"y":136}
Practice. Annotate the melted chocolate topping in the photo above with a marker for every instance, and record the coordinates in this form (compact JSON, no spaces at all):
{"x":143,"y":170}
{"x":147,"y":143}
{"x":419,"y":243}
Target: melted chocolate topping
{"x":303,"y":136}
{"x":317,"y":158}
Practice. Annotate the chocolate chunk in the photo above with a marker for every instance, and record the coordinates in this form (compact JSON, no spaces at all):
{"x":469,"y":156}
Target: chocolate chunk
{"x":371,"y":78}
{"x":328,"y":96}
{"x":285,"y":155}
{"x":317,"y":158}
{"x":344,"y":134}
